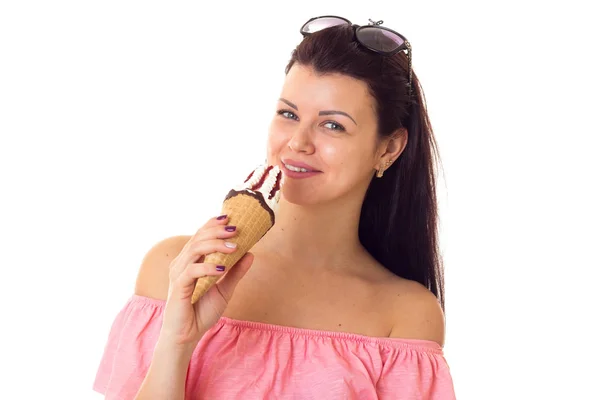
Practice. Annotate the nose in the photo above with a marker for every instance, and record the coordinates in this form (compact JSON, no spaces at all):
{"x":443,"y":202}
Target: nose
{"x":301,"y":141}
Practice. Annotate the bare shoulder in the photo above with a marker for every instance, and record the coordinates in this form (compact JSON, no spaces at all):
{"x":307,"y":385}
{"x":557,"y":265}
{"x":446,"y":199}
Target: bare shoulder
{"x":153,"y":276}
{"x":417,"y":313}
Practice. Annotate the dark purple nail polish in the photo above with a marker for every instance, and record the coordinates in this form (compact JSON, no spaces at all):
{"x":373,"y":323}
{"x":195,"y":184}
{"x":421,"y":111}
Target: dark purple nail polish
{"x":220,"y":268}
{"x":222,"y":217}
{"x":230,"y":228}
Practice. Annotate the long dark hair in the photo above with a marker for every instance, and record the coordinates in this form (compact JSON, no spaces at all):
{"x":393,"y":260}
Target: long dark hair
{"x":399,"y":218}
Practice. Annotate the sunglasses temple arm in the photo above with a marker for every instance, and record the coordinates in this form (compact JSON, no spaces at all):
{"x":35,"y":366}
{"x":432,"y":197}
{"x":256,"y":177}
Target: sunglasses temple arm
{"x":409,"y":48}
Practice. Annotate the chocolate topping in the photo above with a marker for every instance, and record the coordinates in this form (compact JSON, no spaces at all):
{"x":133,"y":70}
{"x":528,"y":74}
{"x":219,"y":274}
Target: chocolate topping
{"x":276,"y":187}
{"x":249,"y":176}
{"x":257,"y":195}
{"x":262,"y":178}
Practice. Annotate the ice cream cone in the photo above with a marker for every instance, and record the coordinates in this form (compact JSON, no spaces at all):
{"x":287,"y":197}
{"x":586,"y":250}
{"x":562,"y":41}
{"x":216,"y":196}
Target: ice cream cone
{"x":251,"y":212}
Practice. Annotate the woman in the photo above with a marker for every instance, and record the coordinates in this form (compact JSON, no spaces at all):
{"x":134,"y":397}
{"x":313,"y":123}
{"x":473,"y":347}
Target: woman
{"x":344,"y":297}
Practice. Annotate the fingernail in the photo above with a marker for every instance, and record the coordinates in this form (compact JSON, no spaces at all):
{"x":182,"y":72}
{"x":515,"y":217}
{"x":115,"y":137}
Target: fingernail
{"x":230,"y":228}
{"x":222,"y":217}
{"x":220,"y":268}
{"x":230,"y":245}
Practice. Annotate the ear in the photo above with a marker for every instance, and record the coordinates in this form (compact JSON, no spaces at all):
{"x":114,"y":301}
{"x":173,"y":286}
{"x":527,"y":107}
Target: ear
{"x":391,"y":147}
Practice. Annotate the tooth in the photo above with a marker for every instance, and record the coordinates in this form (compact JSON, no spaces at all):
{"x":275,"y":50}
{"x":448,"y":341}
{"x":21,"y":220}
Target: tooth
{"x":295,"y":169}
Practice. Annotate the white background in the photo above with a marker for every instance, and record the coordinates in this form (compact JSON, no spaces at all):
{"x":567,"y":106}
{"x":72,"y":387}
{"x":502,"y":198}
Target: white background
{"x":123,"y":123}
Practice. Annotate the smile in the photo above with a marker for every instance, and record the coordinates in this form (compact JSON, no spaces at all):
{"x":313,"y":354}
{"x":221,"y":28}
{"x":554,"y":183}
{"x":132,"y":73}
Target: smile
{"x":296,"y":169}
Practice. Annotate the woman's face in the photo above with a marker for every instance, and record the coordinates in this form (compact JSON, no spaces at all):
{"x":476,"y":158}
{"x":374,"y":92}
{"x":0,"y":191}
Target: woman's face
{"x":327,"y":125}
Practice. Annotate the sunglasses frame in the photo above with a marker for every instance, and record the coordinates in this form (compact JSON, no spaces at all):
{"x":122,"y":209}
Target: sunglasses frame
{"x":372,"y":24}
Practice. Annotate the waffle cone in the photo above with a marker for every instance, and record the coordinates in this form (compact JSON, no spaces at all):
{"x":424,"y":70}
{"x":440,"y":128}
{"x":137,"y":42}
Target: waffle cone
{"x":252,"y":220}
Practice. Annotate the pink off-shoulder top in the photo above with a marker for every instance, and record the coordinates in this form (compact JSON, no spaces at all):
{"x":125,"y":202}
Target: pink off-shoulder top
{"x":250,"y":360}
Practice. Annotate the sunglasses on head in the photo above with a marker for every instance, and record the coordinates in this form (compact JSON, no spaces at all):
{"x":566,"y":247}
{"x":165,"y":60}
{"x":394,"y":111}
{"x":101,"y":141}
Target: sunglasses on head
{"x":373,"y":36}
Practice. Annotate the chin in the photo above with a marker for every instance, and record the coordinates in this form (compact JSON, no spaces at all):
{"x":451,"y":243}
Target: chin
{"x":298,"y":196}
{"x":308,"y":196}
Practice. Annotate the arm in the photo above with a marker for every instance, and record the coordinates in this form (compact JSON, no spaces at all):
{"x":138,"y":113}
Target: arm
{"x":417,"y":374}
{"x":418,"y":314}
{"x":153,"y":276}
{"x":184,"y":323}
{"x":167,"y":373}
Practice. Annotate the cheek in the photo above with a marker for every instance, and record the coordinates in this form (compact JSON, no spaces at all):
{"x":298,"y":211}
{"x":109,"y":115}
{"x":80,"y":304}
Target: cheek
{"x":277,"y":140}
{"x":342,"y":154}
{"x":332,"y":153}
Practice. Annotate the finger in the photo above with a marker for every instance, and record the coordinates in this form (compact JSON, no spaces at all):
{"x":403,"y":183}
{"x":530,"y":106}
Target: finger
{"x":215,"y":221}
{"x":229,"y":282}
{"x":223,"y":231}
{"x":198,"y":249}
{"x":213,"y":229}
{"x":185,"y":283}
{"x":198,"y":270}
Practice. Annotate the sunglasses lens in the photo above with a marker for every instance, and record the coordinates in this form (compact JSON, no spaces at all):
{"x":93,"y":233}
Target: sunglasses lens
{"x":379,"y":39}
{"x":322,"y":23}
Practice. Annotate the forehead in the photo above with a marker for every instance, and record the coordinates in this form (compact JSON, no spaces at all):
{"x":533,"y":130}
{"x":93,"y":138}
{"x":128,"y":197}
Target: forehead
{"x":312,"y":91}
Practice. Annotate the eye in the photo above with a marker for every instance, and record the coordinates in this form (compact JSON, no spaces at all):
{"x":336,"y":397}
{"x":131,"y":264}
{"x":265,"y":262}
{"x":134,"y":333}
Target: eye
{"x":287,"y":114}
{"x":334,"y":126}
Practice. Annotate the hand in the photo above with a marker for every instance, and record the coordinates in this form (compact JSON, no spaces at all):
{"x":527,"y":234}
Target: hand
{"x":184,"y":324}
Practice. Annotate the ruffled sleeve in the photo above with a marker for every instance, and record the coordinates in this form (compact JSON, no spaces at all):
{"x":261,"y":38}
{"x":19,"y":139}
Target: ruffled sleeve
{"x":242,"y":359}
{"x":417,"y":371}
{"x":129,"y":348}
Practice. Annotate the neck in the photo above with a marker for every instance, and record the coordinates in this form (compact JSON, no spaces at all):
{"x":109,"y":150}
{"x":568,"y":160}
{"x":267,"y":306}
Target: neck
{"x":324,"y":235}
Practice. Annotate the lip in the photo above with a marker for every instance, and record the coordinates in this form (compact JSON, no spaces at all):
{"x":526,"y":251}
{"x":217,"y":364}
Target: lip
{"x":299,"y":164}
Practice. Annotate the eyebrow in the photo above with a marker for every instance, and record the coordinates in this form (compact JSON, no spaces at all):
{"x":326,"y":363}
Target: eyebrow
{"x":325,"y":112}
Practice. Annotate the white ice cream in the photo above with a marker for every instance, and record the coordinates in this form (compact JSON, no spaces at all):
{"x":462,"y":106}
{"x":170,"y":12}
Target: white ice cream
{"x":267,"y":186}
